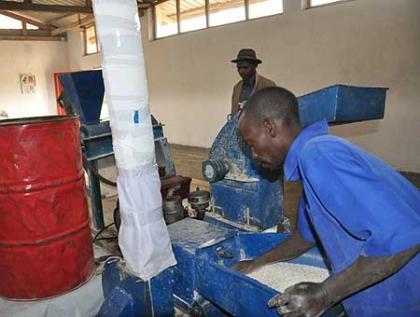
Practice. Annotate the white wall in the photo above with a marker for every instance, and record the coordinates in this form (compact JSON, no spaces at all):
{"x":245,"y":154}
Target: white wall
{"x":41,"y":59}
{"x":360,"y":42}
{"x":77,"y":59}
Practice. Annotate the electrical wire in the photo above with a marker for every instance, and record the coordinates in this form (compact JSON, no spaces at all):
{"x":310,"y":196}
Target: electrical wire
{"x":96,"y":237}
{"x":89,"y":166}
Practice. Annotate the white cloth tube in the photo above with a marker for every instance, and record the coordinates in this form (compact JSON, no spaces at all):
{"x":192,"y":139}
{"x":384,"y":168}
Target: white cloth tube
{"x":143,"y":236}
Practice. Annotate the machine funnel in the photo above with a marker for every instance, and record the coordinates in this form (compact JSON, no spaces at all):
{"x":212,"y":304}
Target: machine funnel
{"x":342,"y":104}
{"x":85,"y":91}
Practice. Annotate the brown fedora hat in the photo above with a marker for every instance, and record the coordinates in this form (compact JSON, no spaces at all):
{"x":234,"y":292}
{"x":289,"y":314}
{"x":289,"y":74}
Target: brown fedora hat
{"x":247,"y":54}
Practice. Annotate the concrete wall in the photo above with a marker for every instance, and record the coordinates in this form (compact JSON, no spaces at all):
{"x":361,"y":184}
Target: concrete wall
{"x":360,"y":42}
{"x":77,"y":59}
{"x":41,"y":59}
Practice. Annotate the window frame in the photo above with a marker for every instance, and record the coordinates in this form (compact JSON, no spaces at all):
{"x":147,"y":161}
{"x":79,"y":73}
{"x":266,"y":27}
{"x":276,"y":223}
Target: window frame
{"x":85,"y":43}
{"x":306,"y":4}
{"x":207,"y":17}
{"x":23,"y":24}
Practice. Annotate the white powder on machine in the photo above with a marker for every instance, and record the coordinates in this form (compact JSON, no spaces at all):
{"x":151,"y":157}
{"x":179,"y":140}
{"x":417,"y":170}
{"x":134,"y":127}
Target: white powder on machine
{"x":281,"y":275}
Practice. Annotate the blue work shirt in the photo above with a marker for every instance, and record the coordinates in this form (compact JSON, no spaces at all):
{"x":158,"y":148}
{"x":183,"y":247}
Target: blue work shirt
{"x":354,"y":204}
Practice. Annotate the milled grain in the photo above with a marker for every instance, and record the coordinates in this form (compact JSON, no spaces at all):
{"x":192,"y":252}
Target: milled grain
{"x":282,"y":275}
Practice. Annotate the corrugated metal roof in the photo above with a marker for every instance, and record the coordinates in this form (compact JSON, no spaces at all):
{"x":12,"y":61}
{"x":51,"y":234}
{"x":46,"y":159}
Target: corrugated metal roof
{"x":61,"y":2}
{"x":48,"y":16}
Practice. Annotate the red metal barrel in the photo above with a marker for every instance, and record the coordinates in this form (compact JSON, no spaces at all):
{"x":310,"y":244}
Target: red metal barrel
{"x":45,"y":242}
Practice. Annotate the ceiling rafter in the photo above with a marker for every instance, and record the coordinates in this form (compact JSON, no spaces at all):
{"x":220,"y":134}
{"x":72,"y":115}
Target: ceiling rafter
{"x":59,"y":18}
{"x":27,"y":5}
{"x":76,"y":25}
{"x":28,"y":35}
{"x":24,"y":18}
{"x":50,"y":29}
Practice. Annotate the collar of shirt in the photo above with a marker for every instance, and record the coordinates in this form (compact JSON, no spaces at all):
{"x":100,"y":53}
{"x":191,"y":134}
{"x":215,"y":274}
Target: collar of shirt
{"x":291,"y":162}
{"x":250,"y":82}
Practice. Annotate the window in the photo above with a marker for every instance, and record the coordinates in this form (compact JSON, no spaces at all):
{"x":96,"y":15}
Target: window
{"x":226,"y":11}
{"x":166,"y":18}
{"x":91,"y":43}
{"x":315,"y":3}
{"x":258,"y":8}
{"x":14,"y":24}
{"x":199,"y":14}
{"x":10,"y":23}
{"x":31,"y":27}
{"x":193,"y":15}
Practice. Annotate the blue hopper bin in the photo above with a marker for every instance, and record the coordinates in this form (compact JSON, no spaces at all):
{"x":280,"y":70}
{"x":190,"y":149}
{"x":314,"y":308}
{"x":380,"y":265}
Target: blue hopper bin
{"x":342,"y":104}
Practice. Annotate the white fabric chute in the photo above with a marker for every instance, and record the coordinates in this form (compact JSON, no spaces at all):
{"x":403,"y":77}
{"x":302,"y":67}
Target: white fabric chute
{"x":143,"y":236}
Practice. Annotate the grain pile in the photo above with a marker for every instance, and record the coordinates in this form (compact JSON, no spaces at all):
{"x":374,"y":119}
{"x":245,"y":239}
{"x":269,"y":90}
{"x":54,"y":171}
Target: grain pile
{"x":281,"y":275}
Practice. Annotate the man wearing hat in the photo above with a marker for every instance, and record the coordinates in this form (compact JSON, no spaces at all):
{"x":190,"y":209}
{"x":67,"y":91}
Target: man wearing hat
{"x":247,"y":63}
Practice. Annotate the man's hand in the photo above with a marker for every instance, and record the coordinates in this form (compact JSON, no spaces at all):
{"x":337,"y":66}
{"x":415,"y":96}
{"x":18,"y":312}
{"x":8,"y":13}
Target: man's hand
{"x":289,"y":249}
{"x":302,"y":300}
{"x":246,"y":266}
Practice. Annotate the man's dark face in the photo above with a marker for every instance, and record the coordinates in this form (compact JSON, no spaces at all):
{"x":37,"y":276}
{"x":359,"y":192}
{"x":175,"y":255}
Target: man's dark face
{"x":269,"y":148}
{"x":246,"y":69}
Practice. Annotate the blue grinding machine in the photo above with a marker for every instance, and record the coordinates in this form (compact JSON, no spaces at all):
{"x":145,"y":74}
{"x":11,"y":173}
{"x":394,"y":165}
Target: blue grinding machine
{"x":244,"y":202}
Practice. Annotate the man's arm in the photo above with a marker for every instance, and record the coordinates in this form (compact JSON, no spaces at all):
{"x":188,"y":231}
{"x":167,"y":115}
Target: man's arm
{"x":289,"y":249}
{"x":232,"y":101}
{"x":312,"y":299}
{"x":235,"y":98}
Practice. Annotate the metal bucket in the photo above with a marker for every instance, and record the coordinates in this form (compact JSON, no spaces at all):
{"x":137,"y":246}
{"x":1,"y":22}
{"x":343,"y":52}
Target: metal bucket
{"x":45,"y":242}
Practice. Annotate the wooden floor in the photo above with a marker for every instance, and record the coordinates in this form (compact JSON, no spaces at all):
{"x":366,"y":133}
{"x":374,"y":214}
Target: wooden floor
{"x":188,"y":160}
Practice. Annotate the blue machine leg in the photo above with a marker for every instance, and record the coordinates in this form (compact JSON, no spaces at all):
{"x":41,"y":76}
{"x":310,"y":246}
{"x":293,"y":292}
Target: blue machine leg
{"x":95,"y":198}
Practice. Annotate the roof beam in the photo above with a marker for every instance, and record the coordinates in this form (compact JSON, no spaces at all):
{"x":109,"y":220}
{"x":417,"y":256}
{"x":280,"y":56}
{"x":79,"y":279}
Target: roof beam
{"x":144,"y":6}
{"x":76,"y":25}
{"x":61,"y":17}
{"x":28,"y":35}
{"x":29,"y":6}
{"x":158,"y":2}
{"x":24,"y":18}
{"x":30,"y":38}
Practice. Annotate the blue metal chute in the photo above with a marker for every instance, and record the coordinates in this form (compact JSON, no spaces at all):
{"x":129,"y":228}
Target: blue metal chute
{"x":342,"y":104}
{"x":85,"y":91}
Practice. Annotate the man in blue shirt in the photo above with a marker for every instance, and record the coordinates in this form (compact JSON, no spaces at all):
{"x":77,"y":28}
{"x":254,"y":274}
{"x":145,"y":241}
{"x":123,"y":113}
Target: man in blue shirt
{"x":361,"y":212}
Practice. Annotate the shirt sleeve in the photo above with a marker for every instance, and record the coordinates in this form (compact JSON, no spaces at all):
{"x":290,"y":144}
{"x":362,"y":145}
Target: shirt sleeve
{"x":303,"y":224}
{"x":370,"y":201}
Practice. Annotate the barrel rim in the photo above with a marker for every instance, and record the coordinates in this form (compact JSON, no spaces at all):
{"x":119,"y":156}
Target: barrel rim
{"x":36,"y":120}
